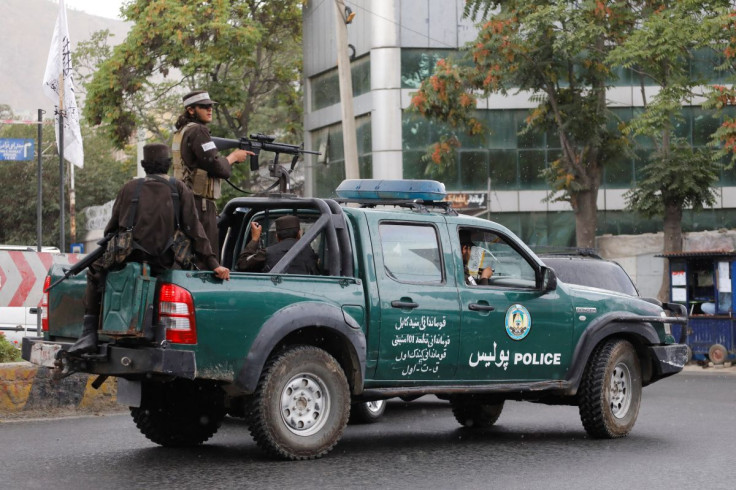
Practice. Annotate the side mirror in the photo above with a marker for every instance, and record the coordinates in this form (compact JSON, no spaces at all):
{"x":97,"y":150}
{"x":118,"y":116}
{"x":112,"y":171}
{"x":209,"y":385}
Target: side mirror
{"x":549,"y":280}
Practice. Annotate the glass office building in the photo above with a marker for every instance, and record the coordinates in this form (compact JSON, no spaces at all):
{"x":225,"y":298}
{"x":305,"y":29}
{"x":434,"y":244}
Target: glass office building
{"x":394,"y":45}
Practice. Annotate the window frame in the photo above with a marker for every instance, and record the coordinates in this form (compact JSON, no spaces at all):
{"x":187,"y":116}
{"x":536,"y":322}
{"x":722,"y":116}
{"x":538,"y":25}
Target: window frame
{"x":438,"y":242}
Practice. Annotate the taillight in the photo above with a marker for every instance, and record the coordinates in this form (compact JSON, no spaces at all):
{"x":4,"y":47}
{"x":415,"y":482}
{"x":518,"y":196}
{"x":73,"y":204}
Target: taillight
{"x":44,"y":305}
{"x":176,"y":313}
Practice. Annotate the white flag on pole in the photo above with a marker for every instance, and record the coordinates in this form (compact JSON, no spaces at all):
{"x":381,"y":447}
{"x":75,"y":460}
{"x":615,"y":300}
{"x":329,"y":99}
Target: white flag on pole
{"x":58,"y":85}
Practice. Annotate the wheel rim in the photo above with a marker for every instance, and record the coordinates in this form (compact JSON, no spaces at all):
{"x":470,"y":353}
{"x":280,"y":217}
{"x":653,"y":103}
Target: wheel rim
{"x":375,"y":407}
{"x":305,"y":404}
{"x":619,"y":392}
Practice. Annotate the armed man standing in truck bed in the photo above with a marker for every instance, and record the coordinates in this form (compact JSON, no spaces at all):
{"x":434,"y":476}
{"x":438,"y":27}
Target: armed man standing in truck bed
{"x":146,"y":207}
{"x":196,"y":162}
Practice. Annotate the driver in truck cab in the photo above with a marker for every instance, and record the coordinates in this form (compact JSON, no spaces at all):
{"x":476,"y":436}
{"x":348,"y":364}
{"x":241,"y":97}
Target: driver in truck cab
{"x":466,"y":246}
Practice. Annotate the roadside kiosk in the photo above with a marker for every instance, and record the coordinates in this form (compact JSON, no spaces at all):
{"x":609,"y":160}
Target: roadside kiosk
{"x":705,"y":283}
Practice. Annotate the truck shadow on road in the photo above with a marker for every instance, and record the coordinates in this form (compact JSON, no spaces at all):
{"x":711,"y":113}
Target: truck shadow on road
{"x":419,"y":427}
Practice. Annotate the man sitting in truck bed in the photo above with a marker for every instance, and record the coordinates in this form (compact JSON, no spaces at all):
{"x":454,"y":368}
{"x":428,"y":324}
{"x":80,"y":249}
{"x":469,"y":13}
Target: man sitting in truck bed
{"x":148,"y":203}
{"x":254,"y":258}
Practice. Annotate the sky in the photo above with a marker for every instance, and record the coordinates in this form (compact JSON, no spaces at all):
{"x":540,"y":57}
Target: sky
{"x":102,"y":8}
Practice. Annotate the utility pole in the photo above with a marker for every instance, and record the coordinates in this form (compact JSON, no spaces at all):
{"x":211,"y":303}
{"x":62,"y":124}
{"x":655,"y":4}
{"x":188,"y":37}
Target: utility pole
{"x":39,"y":184}
{"x":349,"y":137}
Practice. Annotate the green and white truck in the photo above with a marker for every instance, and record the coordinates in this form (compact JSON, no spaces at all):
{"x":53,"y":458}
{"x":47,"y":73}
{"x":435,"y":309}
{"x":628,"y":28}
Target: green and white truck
{"x":390,"y":315}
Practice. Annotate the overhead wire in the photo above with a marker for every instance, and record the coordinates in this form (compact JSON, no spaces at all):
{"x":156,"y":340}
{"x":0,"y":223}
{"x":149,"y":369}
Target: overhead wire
{"x":402,"y":26}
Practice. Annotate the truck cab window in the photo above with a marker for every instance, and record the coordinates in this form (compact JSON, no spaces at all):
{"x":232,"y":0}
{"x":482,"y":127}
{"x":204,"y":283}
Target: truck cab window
{"x":411,"y":253}
{"x":488,"y":249}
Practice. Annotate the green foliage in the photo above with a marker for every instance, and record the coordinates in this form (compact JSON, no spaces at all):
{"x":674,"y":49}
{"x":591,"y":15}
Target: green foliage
{"x":8,"y":352}
{"x":682,"y":177}
{"x":557,"y":52}
{"x":659,"y":50}
{"x":104,"y":173}
{"x":721,"y":97}
{"x":246,"y":53}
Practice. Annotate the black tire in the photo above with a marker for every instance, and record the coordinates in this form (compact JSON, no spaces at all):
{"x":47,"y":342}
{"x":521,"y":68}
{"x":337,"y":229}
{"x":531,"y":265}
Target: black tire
{"x":367,"y":412}
{"x":301,"y":405}
{"x":474,"y":413}
{"x":610,"y":391}
{"x":180,"y":413}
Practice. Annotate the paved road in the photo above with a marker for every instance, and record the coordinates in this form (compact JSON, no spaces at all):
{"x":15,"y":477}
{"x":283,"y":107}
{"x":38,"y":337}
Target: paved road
{"x":684,"y":437}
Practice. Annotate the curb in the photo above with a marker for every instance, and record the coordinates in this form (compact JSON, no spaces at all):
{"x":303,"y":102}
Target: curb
{"x":710,"y":368}
{"x":27,"y":390}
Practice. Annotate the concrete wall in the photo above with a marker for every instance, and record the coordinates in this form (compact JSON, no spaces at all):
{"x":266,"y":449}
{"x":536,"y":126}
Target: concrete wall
{"x":28,"y":390}
{"x":636,"y":253}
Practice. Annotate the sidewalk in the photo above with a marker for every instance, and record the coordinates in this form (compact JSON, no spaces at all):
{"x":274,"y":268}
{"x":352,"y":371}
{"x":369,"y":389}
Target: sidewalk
{"x":727,"y":368}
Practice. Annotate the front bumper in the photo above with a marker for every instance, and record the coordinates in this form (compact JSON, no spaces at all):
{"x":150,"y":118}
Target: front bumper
{"x":667,"y":359}
{"x":114,"y":360}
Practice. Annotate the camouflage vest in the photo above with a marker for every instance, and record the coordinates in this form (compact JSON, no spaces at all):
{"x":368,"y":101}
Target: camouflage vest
{"x":198,"y":180}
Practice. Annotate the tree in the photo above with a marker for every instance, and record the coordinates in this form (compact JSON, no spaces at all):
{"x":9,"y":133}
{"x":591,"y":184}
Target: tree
{"x":246,"y":53}
{"x":660,"y":51}
{"x":557,"y":52}
{"x":676,"y":175}
{"x":723,"y":97}
{"x":98,"y":182}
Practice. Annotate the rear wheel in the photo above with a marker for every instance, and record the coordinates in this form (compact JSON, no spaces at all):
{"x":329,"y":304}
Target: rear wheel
{"x":470,"y":412}
{"x":367,"y":412}
{"x":301,"y":405}
{"x":610,"y":391}
{"x":179,"y":413}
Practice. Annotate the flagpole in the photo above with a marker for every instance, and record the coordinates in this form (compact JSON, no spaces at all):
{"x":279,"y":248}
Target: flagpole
{"x":72,"y":207}
{"x":55,"y":85}
{"x":62,"y":179}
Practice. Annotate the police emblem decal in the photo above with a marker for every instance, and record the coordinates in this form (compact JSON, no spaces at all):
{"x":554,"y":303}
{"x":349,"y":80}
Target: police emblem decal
{"x":518,"y":322}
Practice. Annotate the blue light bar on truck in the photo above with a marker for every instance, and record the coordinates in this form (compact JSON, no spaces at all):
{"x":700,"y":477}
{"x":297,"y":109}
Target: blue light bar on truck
{"x":373,"y":189}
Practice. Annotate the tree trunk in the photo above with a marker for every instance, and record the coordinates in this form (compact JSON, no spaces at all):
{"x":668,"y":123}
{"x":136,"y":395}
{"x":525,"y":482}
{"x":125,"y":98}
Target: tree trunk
{"x":672,"y":243}
{"x":672,"y":228}
{"x":584,"y":204}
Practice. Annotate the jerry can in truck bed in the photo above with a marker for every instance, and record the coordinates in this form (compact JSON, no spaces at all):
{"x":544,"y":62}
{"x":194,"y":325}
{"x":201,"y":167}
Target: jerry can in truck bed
{"x":128,"y":299}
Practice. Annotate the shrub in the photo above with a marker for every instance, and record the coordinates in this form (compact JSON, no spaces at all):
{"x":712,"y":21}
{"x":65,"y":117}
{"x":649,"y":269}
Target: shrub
{"x":8,"y":352}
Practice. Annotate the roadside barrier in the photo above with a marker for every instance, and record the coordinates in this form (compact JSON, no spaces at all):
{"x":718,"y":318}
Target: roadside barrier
{"x":27,"y":390}
{"x":22,"y":275}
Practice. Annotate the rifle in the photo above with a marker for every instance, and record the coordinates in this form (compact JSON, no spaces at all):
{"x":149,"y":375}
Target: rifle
{"x":261,"y":142}
{"x":86,"y":261}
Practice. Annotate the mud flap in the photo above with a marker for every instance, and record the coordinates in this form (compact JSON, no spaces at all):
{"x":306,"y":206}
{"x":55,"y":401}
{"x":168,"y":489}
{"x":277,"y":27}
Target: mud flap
{"x":129,"y":393}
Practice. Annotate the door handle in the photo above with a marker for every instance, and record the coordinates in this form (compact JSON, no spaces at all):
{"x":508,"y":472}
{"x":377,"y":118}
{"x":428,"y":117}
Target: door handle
{"x":404,"y":304}
{"x":480,"y":307}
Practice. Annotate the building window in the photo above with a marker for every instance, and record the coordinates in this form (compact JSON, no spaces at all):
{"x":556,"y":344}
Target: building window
{"x":328,"y":169}
{"x":418,"y":64}
{"x":326,"y":86}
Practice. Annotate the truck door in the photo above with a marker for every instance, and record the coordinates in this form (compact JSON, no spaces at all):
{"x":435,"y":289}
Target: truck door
{"x":510,"y":329}
{"x":418,"y":300}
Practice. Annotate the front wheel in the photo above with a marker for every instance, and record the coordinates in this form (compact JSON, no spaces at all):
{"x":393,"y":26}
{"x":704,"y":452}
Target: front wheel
{"x":610,"y":391}
{"x":301,"y":405}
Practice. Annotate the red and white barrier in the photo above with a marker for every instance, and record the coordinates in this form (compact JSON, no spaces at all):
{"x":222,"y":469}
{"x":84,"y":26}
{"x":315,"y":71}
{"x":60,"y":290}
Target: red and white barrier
{"x":22,"y":275}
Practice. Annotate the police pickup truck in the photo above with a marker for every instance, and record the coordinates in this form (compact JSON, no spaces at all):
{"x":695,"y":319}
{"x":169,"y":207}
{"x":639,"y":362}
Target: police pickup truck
{"x":391,"y":314}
